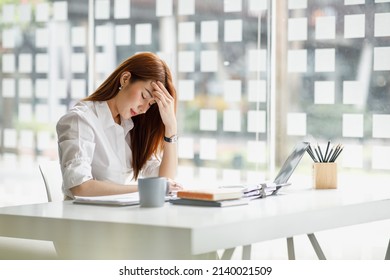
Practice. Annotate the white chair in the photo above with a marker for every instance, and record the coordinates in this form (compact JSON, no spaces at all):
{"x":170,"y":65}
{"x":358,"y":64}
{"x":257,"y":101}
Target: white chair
{"x":52,"y":178}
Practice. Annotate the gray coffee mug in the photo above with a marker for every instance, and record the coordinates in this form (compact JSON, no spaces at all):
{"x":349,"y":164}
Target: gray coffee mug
{"x":152,"y":191}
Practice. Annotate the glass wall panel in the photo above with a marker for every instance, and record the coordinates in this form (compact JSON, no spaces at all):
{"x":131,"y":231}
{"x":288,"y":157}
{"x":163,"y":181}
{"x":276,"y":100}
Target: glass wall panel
{"x":44,"y":66}
{"x":336,"y":74}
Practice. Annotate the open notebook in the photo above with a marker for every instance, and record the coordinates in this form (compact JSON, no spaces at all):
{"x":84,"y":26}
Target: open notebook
{"x":118,"y":200}
{"x":126,"y":199}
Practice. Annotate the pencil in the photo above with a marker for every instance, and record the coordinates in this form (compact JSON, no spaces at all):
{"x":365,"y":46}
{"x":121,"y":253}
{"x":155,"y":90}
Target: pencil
{"x":339,"y":152}
{"x":329,"y":155}
{"x":310,"y":152}
{"x":335,"y":153}
{"x":319,"y":158}
{"x":326,"y":152}
{"x":319,"y":150}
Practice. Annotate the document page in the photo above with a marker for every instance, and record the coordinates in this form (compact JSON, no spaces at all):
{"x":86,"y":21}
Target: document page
{"x":118,"y":199}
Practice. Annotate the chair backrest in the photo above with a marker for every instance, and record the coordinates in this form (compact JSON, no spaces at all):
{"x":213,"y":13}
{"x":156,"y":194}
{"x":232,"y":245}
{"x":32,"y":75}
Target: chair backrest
{"x":52,"y":177}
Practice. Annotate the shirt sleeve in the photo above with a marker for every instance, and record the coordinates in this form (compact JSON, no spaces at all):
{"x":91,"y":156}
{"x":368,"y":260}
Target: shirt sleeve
{"x":151,"y":168}
{"x":76,"y":148}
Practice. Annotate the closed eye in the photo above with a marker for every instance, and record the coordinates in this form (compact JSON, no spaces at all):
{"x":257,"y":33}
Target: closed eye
{"x":145,"y":97}
{"x":149,"y":95}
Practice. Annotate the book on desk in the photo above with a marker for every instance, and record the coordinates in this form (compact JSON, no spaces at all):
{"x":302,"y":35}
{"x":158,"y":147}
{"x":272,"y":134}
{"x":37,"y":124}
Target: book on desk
{"x":210,"y":197}
{"x":214,"y":194}
{"x":209,"y":203}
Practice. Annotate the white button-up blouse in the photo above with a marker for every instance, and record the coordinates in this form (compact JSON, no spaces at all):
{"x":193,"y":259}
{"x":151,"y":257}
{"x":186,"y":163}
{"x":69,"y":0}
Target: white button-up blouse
{"x":92,"y":146}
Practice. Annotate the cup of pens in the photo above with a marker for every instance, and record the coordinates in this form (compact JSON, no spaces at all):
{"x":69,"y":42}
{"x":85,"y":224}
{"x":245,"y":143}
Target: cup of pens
{"x":325,"y":166}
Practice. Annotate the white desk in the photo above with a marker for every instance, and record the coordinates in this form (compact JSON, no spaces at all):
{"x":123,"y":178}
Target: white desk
{"x":183,"y":232}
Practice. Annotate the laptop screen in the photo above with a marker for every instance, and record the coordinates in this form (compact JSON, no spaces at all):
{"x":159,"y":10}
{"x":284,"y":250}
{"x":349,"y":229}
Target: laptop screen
{"x":291,"y":163}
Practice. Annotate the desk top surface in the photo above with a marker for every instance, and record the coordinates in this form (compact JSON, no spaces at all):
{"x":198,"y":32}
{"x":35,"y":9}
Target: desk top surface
{"x":286,"y":204}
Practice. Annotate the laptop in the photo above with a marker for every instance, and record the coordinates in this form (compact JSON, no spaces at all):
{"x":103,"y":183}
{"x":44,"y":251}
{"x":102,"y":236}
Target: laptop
{"x":289,"y":165}
{"x":285,"y":172}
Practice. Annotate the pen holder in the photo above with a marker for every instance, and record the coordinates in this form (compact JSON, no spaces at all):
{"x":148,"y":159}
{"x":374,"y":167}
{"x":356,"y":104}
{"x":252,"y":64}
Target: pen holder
{"x":325,"y":175}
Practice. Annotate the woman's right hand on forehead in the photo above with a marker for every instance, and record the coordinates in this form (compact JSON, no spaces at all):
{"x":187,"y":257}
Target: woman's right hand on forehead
{"x":166,"y":106}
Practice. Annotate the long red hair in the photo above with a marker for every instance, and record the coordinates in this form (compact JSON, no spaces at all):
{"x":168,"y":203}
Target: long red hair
{"x":148,"y":132}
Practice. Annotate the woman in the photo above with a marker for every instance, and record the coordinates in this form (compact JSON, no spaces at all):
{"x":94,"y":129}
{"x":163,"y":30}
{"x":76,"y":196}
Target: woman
{"x":117,"y":134}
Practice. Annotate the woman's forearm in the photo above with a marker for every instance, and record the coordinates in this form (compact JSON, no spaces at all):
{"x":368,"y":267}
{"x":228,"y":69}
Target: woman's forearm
{"x":169,"y":161}
{"x":97,"y":188}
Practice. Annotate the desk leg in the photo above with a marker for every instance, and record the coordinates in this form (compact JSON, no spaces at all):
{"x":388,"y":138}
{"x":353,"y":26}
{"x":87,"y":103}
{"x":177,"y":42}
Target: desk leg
{"x":290,"y":248}
{"x":316,"y":246}
{"x":206,"y":256}
{"x":227,"y":254}
{"x":387,"y":257}
{"x":246,"y":252}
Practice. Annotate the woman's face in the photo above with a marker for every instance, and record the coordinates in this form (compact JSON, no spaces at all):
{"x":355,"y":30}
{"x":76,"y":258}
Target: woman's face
{"x":134,"y":98}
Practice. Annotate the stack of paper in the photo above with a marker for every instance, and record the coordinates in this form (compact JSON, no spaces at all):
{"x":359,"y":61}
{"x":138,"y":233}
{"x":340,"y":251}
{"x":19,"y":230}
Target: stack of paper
{"x":257,"y":191}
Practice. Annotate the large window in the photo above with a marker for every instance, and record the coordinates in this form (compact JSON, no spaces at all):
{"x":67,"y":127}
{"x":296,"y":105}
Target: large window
{"x":44,"y":66}
{"x":336,"y":81}
{"x":253,"y":76}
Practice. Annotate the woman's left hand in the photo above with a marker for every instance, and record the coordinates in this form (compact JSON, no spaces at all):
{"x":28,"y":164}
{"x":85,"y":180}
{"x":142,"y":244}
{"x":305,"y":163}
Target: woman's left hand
{"x":166,"y":106}
{"x":174,"y":187}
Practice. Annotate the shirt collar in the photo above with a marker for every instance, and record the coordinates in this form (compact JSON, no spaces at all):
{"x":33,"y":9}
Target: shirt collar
{"x":127,"y":125}
{"x":104,"y":114}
